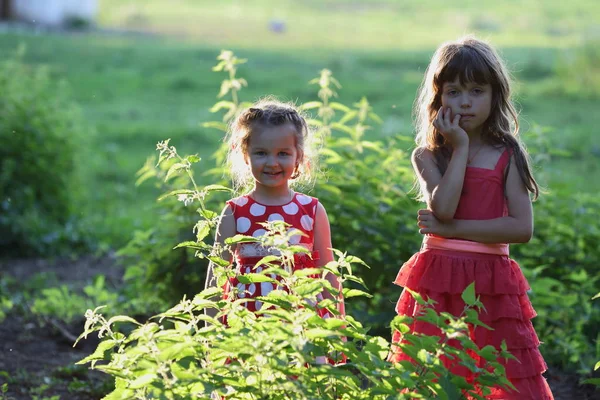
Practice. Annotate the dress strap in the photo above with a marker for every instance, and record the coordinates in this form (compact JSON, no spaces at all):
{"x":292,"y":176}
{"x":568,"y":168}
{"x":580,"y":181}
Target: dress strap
{"x":503,"y":160}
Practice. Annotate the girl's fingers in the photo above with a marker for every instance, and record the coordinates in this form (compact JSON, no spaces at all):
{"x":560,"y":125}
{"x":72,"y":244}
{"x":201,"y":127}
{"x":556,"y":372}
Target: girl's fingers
{"x":448,"y":116}
{"x":456,"y":120}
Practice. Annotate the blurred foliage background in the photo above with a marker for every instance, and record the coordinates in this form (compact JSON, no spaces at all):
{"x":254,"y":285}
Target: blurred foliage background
{"x":106,"y":93}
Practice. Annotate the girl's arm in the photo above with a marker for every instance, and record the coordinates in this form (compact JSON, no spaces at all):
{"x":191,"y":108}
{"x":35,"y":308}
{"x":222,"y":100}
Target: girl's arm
{"x":225,"y":229}
{"x":322,"y":244}
{"x":442,"y":193}
{"x":517,"y":227}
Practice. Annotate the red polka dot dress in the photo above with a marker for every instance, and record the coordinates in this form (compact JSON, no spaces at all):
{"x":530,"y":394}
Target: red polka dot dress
{"x":299,"y":213}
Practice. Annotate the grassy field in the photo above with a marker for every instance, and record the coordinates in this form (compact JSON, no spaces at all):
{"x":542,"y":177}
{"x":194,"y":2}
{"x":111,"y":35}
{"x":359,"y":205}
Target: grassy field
{"x":137,"y":89}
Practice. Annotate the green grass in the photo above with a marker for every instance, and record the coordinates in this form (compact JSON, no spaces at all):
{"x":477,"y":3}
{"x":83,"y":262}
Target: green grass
{"x":138,"y":89}
{"x":352,"y":24}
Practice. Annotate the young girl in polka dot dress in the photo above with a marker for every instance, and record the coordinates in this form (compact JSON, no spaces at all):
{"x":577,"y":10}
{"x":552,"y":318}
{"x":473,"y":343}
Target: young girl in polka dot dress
{"x":268,"y":149}
{"x":475,"y":177}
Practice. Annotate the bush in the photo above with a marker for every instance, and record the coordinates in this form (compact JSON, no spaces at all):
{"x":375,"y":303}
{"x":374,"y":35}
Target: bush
{"x":366,"y":190}
{"x":41,"y":131}
{"x":279,"y":352}
{"x":578,"y":69}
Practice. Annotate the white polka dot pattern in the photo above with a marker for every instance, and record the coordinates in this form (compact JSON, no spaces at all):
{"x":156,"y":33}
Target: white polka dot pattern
{"x":242,"y":290}
{"x":242,"y":224}
{"x":266,"y":288}
{"x":290,"y":209}
{"x":241,"y":201}
{"x":251,"y":289}
{"x":307,"y":222}
{"x":275,"y":217}
{"x":259,"y":233}
{"x":257,"y":209}
{"x":299,"y":213}
{"x":304,"y":200}
{"x":294,"y":239}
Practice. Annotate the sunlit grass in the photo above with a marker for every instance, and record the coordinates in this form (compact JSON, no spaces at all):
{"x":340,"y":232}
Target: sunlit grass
{"x":139,"y":89}
{"x":344,"y":24}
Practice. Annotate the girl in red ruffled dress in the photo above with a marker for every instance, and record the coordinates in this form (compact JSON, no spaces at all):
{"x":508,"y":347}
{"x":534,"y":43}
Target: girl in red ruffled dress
{"x":475,"y":177}
{"x":268,"y":149}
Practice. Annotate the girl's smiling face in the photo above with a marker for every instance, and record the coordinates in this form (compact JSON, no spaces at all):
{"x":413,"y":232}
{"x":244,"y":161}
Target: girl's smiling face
{"x":473,"y":101}
{"x":273,"y":156}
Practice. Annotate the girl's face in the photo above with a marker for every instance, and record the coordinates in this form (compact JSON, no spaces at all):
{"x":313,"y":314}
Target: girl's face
{"x":473,"y":101}
{"x":273,"y":156}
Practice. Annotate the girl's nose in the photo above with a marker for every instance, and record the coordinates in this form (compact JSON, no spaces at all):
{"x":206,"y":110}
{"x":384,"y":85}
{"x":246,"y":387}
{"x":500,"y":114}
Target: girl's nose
{"x":465,"y":101}
{"x":271,"y":160}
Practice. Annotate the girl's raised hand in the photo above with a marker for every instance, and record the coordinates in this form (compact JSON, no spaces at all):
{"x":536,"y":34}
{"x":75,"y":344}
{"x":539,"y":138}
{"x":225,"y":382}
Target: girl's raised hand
{"x":449,"y":128}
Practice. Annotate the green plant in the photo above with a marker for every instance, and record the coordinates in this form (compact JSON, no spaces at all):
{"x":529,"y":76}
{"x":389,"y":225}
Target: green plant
{"x":595,"y":381}
{"x":367,"y":190}
{"x":42,"y":132}
{"x":274,"y":354}
{"x":6,"y":303}
{"x":579,"y":71}
{"x":66,"y":305}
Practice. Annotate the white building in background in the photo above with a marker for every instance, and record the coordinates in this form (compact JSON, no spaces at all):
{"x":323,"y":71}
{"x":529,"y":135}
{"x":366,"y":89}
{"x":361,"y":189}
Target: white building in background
{"x":50,"y":12}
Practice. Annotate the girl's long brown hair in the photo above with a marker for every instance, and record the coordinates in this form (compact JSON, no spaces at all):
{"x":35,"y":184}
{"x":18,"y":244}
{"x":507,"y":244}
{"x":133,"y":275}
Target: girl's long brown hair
{"x":471,"y":60}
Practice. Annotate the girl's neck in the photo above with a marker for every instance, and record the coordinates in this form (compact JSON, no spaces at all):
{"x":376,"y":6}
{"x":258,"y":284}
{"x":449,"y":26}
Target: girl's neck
{"x":475,"y":138}
{"x":271,"y":196}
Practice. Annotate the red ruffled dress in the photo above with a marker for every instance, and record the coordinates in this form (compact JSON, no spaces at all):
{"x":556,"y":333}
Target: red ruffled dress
{"x":442,"y":275}
{"x":248,"y":214}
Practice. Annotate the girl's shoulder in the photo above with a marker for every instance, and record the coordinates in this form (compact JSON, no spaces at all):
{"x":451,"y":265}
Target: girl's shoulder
{"x":421,"y":153}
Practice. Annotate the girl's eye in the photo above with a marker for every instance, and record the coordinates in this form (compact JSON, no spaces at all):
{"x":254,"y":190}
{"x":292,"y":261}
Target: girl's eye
{"x":452,"y":92}
{"x":283,"y":153}
{"x":260,"y":153}
{"x":477,"y":91}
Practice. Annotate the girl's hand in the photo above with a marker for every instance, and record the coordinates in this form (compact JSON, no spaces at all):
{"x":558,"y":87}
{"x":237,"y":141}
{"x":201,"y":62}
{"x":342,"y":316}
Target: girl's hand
{"x":449,"y":128}
{"x":429,"y":224}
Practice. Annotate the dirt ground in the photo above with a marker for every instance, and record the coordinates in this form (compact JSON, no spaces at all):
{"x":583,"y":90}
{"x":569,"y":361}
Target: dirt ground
{"x":37,"y":358}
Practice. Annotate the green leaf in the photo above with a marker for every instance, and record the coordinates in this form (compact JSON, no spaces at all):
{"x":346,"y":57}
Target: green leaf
{"x":100,"y":353}
{"x":240,"y":239}
{"x":142,"y":381}
{"x":488,"y":353}
{"x":194,"y":245}
{"x":253,"y":278}
{"x":202,"y":229}
{"x":216,"y":125}
{"x":593,"y":381}
{"x":219,"y":261}
{"x":267,"y":260}
{"x":468,"y":295}
{"x":597,"y":366}
{"x":176,"y":192}
{"x":123,"y":318}
{"x":339,"y":106}
{"x":310,"y":105}
{"x":215,"y":188}
{"x":219,"y":105}
{"x":174,"y":168}
{"x":355,"y":292}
